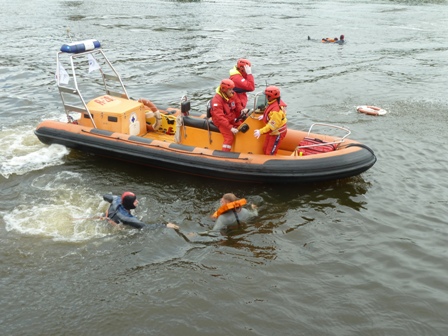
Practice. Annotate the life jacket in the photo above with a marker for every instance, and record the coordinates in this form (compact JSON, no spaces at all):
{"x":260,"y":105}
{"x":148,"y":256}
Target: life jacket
{"x":218,"y":91}
{"x":329,"y":39}
{"x":231,"y":102}
{"x":229,"y":206}
{"x":231,"y":108}
{"x":275,"y":105}
{"x":234,"y":72}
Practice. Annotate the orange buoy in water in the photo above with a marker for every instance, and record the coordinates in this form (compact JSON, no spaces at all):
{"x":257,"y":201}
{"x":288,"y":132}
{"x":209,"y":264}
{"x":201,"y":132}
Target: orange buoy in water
{"x":371,"y":110}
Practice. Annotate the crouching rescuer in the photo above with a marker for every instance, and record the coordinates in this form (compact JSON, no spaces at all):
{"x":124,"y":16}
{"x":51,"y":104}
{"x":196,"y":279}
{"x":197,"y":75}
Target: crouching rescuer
{"x":225,"y":109}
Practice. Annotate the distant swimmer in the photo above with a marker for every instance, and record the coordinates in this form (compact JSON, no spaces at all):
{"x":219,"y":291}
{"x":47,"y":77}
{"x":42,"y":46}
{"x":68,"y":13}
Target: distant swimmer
{"x":119,"y":212}
{"x":339,"y":40}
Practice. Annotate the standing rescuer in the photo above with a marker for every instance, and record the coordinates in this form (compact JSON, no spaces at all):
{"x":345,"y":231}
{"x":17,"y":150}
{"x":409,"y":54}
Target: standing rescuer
{"x":225,"y":108}
{"x":241,"y":75}
{"x":274,"y":117}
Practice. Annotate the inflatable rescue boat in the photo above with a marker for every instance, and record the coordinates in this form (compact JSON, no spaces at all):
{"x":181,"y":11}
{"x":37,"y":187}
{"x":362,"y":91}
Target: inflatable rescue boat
{"x":116,"y":126}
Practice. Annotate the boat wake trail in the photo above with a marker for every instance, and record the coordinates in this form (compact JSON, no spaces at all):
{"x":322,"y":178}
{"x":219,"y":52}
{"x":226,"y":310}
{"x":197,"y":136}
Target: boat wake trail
{"x":22,"y":153}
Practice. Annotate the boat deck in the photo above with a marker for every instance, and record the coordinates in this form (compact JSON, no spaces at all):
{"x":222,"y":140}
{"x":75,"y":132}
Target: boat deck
{"x":161,"y":136}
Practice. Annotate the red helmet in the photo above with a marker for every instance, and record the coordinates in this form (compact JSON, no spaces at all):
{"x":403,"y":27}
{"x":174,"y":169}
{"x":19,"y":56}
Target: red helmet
{"x":226,"y":84}
{"x":241,"y":63}
{"x":272,"y":92}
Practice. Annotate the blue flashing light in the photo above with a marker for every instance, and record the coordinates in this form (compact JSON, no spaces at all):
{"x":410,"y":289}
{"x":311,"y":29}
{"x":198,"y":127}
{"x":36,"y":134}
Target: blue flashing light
{"x":81,"y":46}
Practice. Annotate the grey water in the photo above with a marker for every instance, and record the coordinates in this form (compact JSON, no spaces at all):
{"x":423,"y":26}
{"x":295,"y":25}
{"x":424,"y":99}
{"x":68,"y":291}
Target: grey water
{"x":361,"y":256}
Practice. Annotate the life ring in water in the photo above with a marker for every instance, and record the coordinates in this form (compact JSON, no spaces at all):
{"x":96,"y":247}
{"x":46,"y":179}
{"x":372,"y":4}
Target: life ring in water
{"x":371,"y":110}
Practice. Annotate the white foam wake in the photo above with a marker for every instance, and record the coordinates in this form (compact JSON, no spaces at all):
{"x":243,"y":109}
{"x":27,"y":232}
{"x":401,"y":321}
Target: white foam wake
{"x":22,"y":152}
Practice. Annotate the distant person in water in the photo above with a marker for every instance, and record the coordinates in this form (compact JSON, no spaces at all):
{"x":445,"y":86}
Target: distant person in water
{"x":119,"y":212}
{"x":339,"y":40}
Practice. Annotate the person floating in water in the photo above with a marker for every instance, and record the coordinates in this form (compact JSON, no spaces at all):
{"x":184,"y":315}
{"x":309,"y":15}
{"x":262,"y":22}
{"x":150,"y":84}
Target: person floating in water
{"x":119,"y":212}
{"x":232,"y":213}
{"x":339,"y":40}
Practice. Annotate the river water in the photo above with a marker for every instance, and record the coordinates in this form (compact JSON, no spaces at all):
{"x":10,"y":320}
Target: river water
{"x":361,"y":256}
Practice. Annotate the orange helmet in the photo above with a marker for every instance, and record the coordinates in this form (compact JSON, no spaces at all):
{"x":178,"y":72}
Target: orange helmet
{"x":241,"y":63}
{"x":226,"y":84}
{"x":272,"y":92}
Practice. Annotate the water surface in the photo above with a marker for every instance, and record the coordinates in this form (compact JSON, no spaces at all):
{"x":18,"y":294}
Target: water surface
{"x":361,"y":256}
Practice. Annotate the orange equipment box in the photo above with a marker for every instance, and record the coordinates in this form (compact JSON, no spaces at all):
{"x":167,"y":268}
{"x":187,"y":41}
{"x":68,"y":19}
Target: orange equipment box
{"x":116,"y":114}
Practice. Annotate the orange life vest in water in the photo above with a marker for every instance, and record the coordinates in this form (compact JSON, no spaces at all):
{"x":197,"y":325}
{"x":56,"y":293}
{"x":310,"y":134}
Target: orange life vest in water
{"x":229,"y":206}
{"x":329,"y":39}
